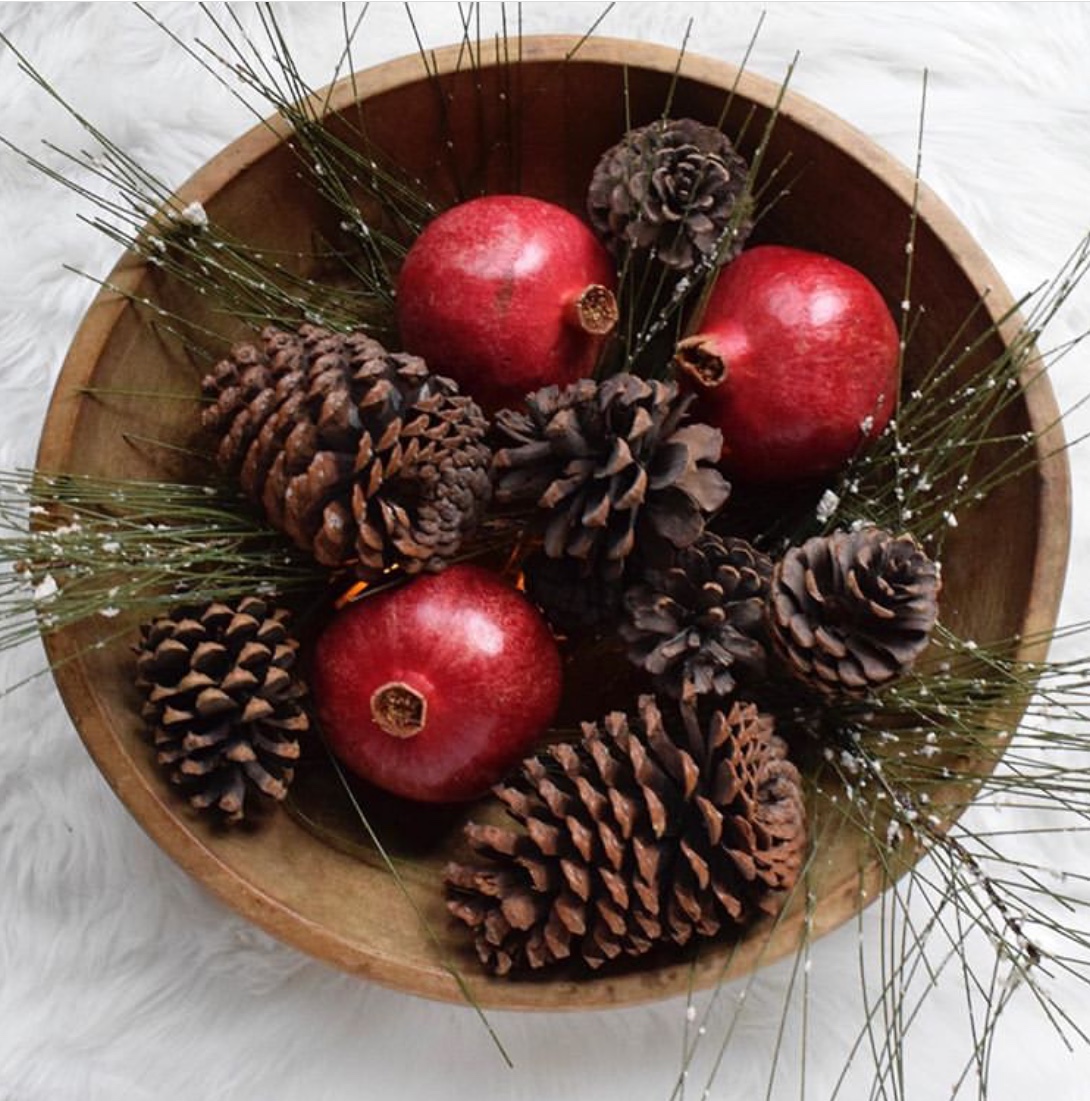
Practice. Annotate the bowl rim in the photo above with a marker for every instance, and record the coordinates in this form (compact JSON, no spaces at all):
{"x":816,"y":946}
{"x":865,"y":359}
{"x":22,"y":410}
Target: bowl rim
{"x":152,"y":809}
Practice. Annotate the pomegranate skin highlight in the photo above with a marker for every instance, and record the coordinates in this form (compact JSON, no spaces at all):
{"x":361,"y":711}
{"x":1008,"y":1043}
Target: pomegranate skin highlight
{"x":435,"y":689}
{"x":797,"y":362}
{"x":506,"y":294}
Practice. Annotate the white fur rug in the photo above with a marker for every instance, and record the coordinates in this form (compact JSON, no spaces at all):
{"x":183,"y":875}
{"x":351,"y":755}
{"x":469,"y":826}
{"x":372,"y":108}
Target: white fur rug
{"x":122,"y":980}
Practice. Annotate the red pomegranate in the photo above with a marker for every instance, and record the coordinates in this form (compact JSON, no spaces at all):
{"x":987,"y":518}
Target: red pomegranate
{"x":506,"y":294}
{"x":435,"y":689}
{"x":797,"y":362}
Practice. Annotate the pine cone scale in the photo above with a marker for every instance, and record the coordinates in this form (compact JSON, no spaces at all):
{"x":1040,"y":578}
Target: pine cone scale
{"x":590,"y":454}
{"x":330,"y":426}
{"x":698,"y":625}
{"x":223,"y":718}
{"x":674,"y":189}
{"x":852,"y":611}
{"x":680,"y":866}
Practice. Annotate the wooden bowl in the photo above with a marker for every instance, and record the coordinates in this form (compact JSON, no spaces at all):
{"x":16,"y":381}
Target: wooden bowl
{"x":310,"y":877}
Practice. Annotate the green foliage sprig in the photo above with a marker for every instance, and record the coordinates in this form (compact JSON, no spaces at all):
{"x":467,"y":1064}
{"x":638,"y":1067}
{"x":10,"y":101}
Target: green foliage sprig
{"x":74,"y":548}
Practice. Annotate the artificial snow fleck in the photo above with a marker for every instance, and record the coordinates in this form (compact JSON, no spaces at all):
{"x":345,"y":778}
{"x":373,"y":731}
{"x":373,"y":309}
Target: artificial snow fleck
{"x":109,"y":612}
{"x":894,"y":835}
{"x":950,"y":519}
{"x":690,"y":1013}
{"x":46,"y":589}
{"x":827,"y":506}
{"x":111,"y":546}
{"x":194,"y":215}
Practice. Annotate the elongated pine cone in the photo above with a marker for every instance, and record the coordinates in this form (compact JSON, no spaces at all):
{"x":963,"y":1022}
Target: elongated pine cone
{"x":222,"y":705}
{"x":852,"y":611}
{"x":357,"y":454}
{"x":677,"y":187}
{"x":613,"y":465}
{"x":699,"y":626}
{"x":628,"y":840}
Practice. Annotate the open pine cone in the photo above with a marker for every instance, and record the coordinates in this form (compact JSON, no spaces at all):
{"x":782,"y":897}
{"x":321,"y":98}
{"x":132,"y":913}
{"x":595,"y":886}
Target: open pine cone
{"x":699,"y":625}
{"x":676,"y":187}
{"x":629,"y":839}
{"x":359,"y":455}
{"x":222,"y":704}
{"x":614,"y":467}
{"x":852,"y":611}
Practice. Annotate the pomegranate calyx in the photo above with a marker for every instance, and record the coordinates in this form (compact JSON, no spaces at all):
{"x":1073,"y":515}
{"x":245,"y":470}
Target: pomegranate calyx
{"x":594,"y":310}
{"x":697,"y":359}
{"x":399,"y":710}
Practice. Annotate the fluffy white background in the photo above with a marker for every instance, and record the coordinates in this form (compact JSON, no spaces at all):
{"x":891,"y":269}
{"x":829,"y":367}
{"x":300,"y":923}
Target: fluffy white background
{"x":120,"y":979}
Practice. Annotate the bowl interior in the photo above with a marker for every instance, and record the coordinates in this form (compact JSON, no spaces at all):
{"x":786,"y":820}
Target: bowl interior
{"x":311,"y":876}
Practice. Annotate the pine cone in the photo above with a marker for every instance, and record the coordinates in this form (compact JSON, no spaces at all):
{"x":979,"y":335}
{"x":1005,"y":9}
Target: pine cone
{"x":357,"y":454}
{"x":628,"y":840}
{"x":698,"y":625}
{"x":571,"y":602}
{"x":221,"y":702}
{"x":674,"y":186}
{"x":614,"y":466}
{"x":851,"y":611}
